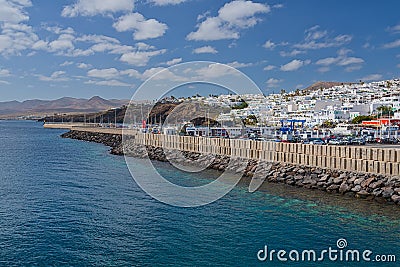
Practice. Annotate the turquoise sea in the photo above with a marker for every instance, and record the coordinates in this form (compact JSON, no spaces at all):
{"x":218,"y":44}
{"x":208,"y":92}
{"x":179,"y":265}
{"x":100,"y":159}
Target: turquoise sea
{"x":70,"y":203}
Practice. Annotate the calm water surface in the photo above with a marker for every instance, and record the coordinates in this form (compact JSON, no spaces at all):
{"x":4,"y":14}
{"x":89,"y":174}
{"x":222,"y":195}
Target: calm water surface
{"x":67,"y":202}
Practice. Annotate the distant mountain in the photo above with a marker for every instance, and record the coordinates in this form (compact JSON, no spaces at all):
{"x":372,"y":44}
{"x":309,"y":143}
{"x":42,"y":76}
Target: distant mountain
{"x":323,"y":85}
{"x":62,"y":105}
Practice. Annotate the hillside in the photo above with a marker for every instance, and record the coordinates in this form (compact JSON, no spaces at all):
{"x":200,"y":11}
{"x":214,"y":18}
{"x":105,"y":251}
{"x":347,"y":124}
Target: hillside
{"x":323,"y":85}
{"x":62,"y":105}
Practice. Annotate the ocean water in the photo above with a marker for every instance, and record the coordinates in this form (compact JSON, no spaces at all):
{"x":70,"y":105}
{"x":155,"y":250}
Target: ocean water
{"x":70,"y":203}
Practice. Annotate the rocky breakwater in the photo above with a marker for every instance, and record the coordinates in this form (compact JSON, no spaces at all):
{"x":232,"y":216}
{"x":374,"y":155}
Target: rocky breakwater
{"x":111,"y":140}
{"x":384,"y":189}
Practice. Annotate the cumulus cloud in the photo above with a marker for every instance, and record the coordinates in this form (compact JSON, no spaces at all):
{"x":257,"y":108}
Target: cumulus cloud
{"x":112,"y":73}
{"x":394,"y":29}
{"x":13,"y":11}
{"x":215,"y":70}
{"x":372,"y":77}
{"x":205,"y":50}
{"x":269,"y":44}
{"x":140,"y":58}
{"x":4,"y":73}
{"x":351,"y":63}
{"x":232,"y":18}
{"x":315,"y":38}
{"x":166,"y":2}
{"x":272,"y":82}
{"x":110,"y":83}
{"x":57,"y":76}
{"x":4,"y":82}
{"x":162,"y":74}
{"x":292,"y":53}
{"x":15,"y":38}
{"x":238,"y":65}
{"x":83,"y":65}
{"x":295,"y":65}
{"x":174,"y":61}
{"x":103,"y":73}
{"x":269,"y":67}
{"x":66,"y":63}
{"x":143,"y":28}
{"x":393,"y":44}
{"x":97,"y":7}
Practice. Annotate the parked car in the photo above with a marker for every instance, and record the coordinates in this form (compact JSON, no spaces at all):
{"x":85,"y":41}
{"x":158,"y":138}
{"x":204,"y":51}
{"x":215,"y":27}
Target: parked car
{"x":317,"y":142}
{"x":335,"y":142}
{"x":358,"y":141}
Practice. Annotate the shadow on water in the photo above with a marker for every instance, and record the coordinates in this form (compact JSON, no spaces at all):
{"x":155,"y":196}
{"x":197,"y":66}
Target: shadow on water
{"x":311,"y":198}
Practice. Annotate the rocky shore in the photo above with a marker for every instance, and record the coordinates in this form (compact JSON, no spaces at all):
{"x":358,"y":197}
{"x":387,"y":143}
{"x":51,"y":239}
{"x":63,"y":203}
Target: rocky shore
{"x":369,"y":186}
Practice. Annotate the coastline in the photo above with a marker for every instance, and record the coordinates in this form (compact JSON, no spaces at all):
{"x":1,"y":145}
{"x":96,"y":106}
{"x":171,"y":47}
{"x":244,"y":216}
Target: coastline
{"x":377,"y":187}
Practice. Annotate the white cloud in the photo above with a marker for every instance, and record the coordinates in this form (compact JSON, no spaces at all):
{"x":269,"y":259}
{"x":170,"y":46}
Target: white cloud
{"x":140,"y":58}
{"x":162,"y":74}
{"x":372,"y":77}
{"x":57,"y":76}
{"x":395,"y":29}
{"x":351,"y":63}
{"x":83,"y":65}
{"x":242,"y":13}
{"x":143,"y":28}
{"x":4,"y":73}
{"x":323,"y":69}
{"x":353,"y":68}
{"x":278,"y":6}
{"x":269,"y":44}
{"x":292,"y":53}
{"x":166,"y":2}
{"x":4,"y":82}
{"x":213,"y":29}
{"x":393,"y":44}
{"x":318,"y":39}
{"x":66,"y":63}
{"x":131,"y":73}
{"x":398,"y":65}
{"x":232,"y":18}
{"x":13,"y":11}
{"x":110,"y":83}
{"x":15,"y":38}
{"x":97,"y":7}
{"x":215,"y":70}
{"x":295,"y":65}
{"x":174,"y":61}
{"x":327,"y":61}
{"x":205,"y":49}
{"x":272,"y":82}
{"x":350,"y":60}
{"x":111,"y":73}
{"x":269,"y":67}
{"x":64,"y":42}
{"x":238,"y":65}
{"x":314,"y":33}
{"x":59,"y":30}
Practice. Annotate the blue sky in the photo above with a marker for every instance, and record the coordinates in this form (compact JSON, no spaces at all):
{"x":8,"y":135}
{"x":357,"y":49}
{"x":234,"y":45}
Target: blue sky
{"x":82,"y":48}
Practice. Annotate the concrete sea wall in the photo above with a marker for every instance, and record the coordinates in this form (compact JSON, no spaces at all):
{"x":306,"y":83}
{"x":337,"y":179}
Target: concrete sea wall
{"x":362,"y":172}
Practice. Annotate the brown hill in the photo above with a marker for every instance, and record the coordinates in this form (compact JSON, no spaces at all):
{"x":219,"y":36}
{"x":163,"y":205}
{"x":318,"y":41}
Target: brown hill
{"x":324,"y":85}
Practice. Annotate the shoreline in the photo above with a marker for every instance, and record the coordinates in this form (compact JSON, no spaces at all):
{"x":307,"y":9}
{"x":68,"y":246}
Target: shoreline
{"x":373,"y":187}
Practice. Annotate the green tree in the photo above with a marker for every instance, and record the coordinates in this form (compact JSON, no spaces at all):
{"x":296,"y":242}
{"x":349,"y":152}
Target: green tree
{"x":384,"y":111}
{"x":250,"y":120}
{"x":328,"y":124}
{"x":361,"y":118}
